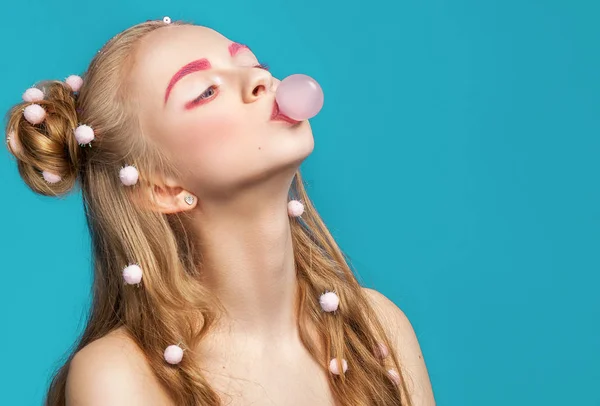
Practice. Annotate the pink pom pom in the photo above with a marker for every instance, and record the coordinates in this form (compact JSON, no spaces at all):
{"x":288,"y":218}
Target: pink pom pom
{"x":33,"y":94}
{"x":173,"y":354}
{"x":394,"y":376}
{"x":329,"y":301}
{"x":381,"y":351}
{"x":75,"y":82}
{"x":295,"y":208}
{"x":13,"y":142}
{"x":333,"y":366}
{"x":129,"y":175}
{"x":132,"y":274}
{"x":84,"y":134}
{"x":51,"y":177}
{"x":34,"y":113}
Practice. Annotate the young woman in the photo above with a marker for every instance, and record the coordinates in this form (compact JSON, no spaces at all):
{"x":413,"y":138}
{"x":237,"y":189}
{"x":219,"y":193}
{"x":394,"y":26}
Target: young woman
{"x":215,"y":280}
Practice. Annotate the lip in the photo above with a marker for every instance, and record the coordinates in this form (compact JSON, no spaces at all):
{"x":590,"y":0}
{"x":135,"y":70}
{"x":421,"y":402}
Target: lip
{"x":277,"y":115}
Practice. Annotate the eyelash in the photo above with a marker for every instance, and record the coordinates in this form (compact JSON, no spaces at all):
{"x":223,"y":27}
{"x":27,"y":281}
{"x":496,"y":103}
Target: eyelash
{"x":200,"y":99}
{"x":262,"y":66}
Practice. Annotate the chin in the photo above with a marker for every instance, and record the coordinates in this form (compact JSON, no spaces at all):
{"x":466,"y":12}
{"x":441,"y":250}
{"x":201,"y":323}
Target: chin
{"x":288,"y":155}
{"x":299,"y":145}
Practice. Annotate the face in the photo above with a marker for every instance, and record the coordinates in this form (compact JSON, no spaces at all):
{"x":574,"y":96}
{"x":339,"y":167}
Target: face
{"x":208,"y":103}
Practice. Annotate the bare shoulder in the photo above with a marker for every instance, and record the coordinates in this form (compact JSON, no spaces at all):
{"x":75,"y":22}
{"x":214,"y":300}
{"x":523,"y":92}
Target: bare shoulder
{"x":402,"y":334}
{"x":112,"y":371}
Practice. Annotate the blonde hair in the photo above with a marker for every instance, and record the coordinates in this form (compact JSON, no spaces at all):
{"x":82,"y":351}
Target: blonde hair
{"x":172,"y":305}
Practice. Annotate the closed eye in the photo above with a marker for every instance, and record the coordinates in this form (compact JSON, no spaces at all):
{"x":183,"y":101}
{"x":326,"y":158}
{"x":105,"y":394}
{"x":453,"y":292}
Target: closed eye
{"x":262,"y":66}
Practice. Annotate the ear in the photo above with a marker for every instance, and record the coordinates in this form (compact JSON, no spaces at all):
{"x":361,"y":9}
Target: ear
{"x":167,"y":197}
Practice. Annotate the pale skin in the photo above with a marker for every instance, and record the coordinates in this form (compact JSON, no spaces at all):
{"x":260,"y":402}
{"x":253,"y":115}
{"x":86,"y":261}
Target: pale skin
{"x":238,"y":165}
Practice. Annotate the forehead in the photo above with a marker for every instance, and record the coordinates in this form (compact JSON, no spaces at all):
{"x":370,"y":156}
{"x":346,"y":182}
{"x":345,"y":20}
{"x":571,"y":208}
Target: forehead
{"x":180,"y":41}
{"x":172,"y":40}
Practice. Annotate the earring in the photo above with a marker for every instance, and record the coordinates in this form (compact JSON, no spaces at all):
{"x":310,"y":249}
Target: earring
{"x":189,"y":199}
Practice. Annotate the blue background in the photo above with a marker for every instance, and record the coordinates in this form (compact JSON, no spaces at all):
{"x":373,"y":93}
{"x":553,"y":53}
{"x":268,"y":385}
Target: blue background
{"x":456,"y":162}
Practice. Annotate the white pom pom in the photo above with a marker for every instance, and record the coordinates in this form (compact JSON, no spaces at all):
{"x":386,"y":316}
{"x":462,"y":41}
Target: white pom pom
{"x":51,"y":177}
{"x":173,"y":354}
{"x":132,"y":274}
{"x":167,"y":20}
{"x":333,"y":366}
{"x":34,"y":113}
{"x":329,"y":301}
{"x":295,"y":208}
{"x":33,"y":94}
{"x":75,"y":82}
{"x":84,"y":134}
{"x":129,"y":175}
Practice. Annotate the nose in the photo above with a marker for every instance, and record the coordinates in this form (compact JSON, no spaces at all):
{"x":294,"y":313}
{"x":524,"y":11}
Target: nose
{"x":259,"y":82}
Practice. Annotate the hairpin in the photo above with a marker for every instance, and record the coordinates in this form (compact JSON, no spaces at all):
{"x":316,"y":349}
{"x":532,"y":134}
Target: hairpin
{"x":167,"y":20}
{"x":333,"y":366}
{"x":75,"y":82}
{"x":51,"y":177}
{"x":132,"y":274}
{"x":13,"y":142}
{"x":129,"y":175}
{"x":34,"y":113}
{"x":329,"y":301}
{"x":381,"y":351}
{"x":394,"y":376}
{"x":32,"y":95}
{"x":295,"y":208}
{"x":84,"y":134}
{"x":173,"y":354}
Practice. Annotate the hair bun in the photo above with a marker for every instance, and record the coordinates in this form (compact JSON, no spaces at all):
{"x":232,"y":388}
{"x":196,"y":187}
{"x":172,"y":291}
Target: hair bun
{"x":40,"y":136}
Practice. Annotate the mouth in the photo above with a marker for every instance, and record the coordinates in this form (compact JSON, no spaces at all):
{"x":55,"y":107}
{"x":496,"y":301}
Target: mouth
{"x":277,"y":115}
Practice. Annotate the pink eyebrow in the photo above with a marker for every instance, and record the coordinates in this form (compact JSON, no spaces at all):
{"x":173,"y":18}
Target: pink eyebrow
{"x":195,"y":66}
{"x":235,"y":47}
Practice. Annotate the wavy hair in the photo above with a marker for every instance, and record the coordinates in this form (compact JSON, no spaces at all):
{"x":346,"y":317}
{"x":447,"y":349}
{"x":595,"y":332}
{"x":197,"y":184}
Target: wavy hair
{"x":172,"y":305}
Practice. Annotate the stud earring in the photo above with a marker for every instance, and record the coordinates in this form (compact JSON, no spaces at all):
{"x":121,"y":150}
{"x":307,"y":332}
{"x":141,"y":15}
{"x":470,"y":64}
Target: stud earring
{"x":189,"y":199}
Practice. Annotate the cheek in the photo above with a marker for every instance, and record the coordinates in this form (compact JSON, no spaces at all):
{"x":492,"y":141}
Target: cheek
{"x":210,"y":135}
{"x":217,"y":145}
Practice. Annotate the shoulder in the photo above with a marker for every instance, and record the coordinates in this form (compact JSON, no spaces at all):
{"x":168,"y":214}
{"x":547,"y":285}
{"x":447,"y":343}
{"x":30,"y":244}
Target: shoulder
{"x":399,"y":329}
{"x":388,"y":312}
{"x":401,"y":333}
{"x":112,"y":371}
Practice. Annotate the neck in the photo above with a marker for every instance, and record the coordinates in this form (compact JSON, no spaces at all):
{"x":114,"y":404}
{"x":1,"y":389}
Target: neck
{"x":248,"y":262}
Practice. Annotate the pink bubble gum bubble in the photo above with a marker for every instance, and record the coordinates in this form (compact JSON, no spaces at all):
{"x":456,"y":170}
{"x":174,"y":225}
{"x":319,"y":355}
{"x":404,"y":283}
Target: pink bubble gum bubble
{"x":299,"y":97}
